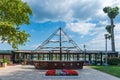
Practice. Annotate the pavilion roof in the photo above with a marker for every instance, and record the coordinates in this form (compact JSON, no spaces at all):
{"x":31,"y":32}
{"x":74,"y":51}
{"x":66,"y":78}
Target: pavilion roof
{"x":64,"y":51}
{"x":6,"y":51}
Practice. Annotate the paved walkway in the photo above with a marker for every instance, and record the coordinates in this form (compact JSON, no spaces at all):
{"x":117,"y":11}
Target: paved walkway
{"x":20,"y":72}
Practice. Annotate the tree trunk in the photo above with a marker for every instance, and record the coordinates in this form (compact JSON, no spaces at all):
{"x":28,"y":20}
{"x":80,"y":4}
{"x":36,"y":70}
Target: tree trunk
{"x":112,"y":36}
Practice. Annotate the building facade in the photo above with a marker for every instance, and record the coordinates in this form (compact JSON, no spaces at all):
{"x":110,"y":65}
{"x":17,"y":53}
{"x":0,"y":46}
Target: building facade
{"x":19,"y":56}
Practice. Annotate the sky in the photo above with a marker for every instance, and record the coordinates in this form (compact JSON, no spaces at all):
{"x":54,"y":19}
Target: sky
{"x":83,"y":20}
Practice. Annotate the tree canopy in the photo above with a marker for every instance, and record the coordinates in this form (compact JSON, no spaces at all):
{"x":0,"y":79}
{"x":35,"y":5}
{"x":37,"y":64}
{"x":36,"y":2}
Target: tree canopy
{"x":13,"y":14}
{"x":111,"y":12}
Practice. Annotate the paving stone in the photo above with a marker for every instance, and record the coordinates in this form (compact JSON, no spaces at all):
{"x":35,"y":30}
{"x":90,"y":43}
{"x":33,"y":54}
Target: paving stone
{"x":28,"y":72}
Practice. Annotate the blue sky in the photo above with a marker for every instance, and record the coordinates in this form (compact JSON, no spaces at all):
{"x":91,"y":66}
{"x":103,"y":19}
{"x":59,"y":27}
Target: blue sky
{"x":83,"y":20}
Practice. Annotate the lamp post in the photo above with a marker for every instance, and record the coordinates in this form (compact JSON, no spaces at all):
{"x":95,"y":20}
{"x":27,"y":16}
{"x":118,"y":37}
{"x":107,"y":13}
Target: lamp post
{"x":106,"y":55}
{"x":84,"y":53}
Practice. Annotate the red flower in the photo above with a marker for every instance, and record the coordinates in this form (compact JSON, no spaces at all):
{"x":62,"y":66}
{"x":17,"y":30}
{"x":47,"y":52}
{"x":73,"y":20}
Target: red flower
{"x":72,"y":72}
{"x":64,"y":72}
{"x":50,"y":73}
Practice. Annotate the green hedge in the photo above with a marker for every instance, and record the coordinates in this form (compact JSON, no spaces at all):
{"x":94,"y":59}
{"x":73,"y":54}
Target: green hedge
{"x":114,"y":61}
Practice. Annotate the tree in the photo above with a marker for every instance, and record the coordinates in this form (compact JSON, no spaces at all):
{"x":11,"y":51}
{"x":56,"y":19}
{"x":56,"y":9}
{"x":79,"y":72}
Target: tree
{"x":13,"y":14}
{"x":112,"y":13}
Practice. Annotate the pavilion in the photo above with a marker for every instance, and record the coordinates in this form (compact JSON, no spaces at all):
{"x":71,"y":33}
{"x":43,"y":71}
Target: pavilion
{"x":58,"y":47}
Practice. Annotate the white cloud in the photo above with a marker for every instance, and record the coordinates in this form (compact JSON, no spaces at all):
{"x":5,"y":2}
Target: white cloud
{"x":112,"y":3}
{"x":81,"y":10}
{"x":69,"y":10}
{"x":117,"y":36}
{"x":104,"y":22}
{"x":62,"y":9}
{"x":81,"y":27}
{"x":51,"y":9}
{"x":98,"y":42}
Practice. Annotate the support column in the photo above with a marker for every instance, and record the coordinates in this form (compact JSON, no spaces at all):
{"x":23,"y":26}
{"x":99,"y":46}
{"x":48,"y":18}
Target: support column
{"x":38,"y":56}
{"x":101,"y":59}
{"x":77,"y":56}
{"x":73,"y":56}
{"x":60,"y":46}
{"x":43,"y":56}
{"x":32,"y":56}
{"x":90,"y":58}
{"x":49,"y":55}
{"x":67,"y":56}
{"x":13,"y":57}
{"x":95,"y":59}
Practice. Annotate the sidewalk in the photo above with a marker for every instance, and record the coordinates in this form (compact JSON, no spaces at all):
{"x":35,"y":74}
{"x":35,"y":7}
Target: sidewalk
{"x":28,"y":72}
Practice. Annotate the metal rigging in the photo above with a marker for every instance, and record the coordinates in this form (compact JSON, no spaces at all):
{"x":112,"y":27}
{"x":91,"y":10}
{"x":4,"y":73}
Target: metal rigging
{"x":63,"y":41}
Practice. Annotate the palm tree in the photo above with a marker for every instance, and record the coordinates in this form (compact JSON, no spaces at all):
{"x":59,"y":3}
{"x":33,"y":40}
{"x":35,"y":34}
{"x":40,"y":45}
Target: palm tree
{"x":112,"y":13}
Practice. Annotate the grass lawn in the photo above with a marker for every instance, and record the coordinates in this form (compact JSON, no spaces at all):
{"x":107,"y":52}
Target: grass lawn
{"x":113,"y":70}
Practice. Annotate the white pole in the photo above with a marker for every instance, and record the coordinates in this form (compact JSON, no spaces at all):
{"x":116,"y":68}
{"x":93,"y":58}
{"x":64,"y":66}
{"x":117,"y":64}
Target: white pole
{"x":84,"y":53}
{"x":106,"y":55}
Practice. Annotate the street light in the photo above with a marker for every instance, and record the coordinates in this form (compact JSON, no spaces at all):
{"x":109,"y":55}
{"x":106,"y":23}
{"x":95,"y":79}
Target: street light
{"x":106,"y":55}
{"x":84,"y":53}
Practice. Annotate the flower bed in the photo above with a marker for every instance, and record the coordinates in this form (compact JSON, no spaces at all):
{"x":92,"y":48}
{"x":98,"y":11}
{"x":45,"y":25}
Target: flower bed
{"x":63,"y":72}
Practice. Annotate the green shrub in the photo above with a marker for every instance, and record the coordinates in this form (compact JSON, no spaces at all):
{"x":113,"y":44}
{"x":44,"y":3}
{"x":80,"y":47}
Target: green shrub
{"x":5,"y":60}
{"x":114,"y":61}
